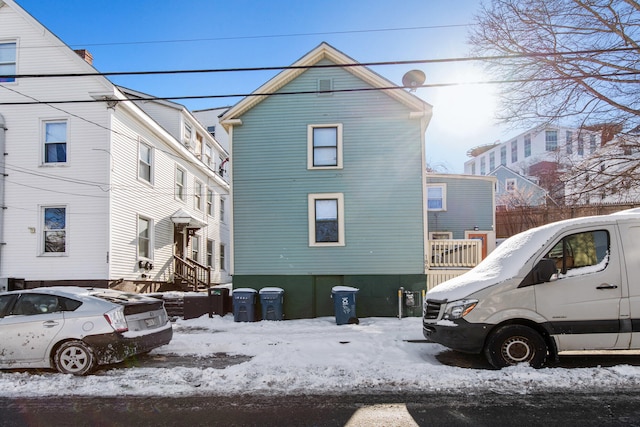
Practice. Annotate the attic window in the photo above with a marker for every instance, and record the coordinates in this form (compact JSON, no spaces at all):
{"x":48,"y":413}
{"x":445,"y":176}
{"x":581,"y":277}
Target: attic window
{"x":325,"y":86}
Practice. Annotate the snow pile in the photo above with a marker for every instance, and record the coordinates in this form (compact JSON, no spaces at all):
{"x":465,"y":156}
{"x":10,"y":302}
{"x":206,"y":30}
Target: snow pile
{"x":311,"y":356}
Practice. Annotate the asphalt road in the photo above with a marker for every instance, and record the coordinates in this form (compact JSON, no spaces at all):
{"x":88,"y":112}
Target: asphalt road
{"x":379,"y":410}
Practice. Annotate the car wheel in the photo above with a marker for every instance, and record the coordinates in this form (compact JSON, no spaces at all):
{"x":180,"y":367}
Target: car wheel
{"x":513,"y":344}
{"x":74,"y":357}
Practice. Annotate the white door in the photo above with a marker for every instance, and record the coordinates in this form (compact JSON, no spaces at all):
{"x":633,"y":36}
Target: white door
{"x":581,"y":303}
{"x":28,"y":329}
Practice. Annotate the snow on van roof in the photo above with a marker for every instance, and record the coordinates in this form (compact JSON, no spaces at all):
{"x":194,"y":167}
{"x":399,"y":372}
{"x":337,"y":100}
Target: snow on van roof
{"x":507,"y":259}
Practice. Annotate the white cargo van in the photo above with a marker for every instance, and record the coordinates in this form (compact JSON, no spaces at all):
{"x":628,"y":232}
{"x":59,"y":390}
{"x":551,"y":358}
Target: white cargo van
{"x":571,"y":285}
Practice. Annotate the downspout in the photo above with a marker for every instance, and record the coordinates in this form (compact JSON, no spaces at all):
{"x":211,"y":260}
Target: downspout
{"x":3,"y":177}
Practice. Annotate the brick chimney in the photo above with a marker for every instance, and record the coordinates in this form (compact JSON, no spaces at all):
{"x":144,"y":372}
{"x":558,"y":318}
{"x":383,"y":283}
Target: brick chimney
{"x":85,"y":54}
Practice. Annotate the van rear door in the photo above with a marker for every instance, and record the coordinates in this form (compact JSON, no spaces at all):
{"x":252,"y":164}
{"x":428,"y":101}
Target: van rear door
{"x":581,"y":303}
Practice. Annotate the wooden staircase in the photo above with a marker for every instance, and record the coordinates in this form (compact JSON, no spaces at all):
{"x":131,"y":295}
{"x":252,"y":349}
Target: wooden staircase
{"x":189,"y":275}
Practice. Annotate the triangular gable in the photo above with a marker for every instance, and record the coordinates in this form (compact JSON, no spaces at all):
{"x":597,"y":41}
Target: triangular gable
{"x":514,"y":174}
{"x":324,"y":51}
{"x":58,"y":43}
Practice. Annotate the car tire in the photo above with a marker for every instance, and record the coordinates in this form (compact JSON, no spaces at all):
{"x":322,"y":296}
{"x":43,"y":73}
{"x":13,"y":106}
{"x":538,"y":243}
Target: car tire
{"x":74,"y":357}
{"x":513,"y":344}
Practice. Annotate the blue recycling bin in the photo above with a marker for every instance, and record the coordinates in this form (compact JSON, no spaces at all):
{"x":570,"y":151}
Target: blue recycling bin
{"x":244,"y":304}
{"x":344,"y":304}
{"x":271,"y":301}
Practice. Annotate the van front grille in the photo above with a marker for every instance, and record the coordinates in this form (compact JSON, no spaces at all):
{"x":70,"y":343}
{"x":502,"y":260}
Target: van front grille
{"x":432,"y":309}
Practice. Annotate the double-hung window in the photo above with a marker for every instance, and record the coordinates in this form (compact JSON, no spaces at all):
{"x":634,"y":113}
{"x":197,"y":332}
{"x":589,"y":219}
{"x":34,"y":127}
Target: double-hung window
{"x":145,"y":162}
{"x":223,"y":257}
{"x":144,"y":238}
{"x":54,"y":230}
{"x":527,"y":145}
{"x":7,"y":62}
{"x":209,"y":202}
{"x":195,"y":248}
{"x":197,"y":195}
{"x":437,"y":197}
{"x":324,"y":146}
{"x":55,"y":141}
{"x":514,"y":151}
{"x":181,"y":177}
{"x":551,"y":140}
{"x":326,"y":219}
{"x":210,"y":253}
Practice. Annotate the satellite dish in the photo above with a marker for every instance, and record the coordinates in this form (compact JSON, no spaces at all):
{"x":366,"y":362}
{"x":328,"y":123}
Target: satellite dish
{"x":412,"y":79}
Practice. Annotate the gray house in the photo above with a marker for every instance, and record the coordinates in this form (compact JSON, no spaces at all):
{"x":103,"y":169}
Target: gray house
{"x":461,"y":224}
{"x":515,"y":190}
{"x":328,"y":173}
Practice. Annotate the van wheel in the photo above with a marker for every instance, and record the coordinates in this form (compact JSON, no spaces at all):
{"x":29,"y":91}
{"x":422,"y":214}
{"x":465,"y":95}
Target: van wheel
{"x":513,"y":344}
{"x":74,"y":357}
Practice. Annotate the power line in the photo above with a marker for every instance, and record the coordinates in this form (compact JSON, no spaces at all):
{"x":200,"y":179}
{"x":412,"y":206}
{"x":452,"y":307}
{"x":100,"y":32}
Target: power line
{"x":273,"y":36}
{"x":315,"y":66}
{"x":311,"y":92}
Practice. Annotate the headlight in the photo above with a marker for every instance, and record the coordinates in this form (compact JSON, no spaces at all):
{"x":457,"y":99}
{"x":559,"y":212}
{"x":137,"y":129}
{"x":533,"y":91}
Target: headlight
{"x":459,"y":309}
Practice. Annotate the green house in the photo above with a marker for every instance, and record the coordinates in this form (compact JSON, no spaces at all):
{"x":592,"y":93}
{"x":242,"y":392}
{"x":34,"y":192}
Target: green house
{"x":328,"y":186}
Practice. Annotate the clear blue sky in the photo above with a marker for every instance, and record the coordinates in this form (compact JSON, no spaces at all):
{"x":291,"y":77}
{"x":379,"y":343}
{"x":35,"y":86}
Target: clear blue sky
{"x":145,"y":35}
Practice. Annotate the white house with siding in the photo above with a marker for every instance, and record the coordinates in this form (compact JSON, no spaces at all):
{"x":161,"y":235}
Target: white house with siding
{"x":98,"y":191}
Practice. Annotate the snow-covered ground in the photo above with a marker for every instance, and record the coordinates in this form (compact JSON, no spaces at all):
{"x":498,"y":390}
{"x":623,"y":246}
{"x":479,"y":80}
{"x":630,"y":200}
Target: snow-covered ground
{"x":312,"y":356}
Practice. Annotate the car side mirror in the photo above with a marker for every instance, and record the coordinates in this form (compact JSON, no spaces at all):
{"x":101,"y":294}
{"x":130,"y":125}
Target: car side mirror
{"x":540,"y":273}
{"x":543,"y":271}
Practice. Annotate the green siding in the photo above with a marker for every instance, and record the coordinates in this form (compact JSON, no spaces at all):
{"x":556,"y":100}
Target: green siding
{"x":308,"y":296}
{"x":381,"y":181}
{"x":469,"y":204}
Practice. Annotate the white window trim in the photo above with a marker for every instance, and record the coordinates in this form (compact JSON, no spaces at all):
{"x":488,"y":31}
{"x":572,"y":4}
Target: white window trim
{"x":312,"y":219}
{"x":187,"y":136}
{"x":151,"y":160}
{"x":151,"y":237}
{"x":197,"y":195}
{"x":42,"y":231}
{"x":183,"y":184}
{"x":43,"y":144}
{"x":440,"y":235}
{"x":210,"y":258}
{"x":210,"y":203}
{"x":17,"y":60}
{"x":310,"y":129}
{"x":222,"y":253}
{"x":443,"y":186}
{"x":506,"y":185}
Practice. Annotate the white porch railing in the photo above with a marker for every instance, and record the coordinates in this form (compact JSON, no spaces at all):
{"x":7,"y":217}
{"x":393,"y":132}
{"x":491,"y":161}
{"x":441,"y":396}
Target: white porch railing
{"x":435,"y":277}
{"x":453,"y":253}
{"x":447,"y":259}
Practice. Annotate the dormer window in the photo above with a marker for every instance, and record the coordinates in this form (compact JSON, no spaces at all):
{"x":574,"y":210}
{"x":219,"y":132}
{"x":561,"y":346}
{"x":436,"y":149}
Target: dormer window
{"x":187,"y":134}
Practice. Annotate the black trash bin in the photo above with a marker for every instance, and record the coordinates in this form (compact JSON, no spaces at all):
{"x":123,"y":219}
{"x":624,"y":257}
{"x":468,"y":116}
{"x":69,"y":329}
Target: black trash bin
{"x":344,"y":304}
{"x":218,"y":301}
{"x":244,"y":305}
{"x":271,"y":301}
{"x":195,"y":305}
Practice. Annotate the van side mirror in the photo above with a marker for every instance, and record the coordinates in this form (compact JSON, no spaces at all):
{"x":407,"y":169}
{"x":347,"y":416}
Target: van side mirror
{"x":543,"y":271}
{"x":540,"y":273}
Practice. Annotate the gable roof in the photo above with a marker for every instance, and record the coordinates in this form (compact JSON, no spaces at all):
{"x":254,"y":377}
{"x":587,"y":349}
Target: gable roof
{"x":325,"y":51}
{"x":515,"y":174}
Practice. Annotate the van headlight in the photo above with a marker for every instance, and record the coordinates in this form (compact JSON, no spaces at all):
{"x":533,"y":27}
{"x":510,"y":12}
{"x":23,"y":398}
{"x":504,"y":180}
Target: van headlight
{"x":459,"y":309}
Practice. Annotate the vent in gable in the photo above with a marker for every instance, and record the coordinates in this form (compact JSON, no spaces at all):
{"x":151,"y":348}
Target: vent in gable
{"x":325,"y":86}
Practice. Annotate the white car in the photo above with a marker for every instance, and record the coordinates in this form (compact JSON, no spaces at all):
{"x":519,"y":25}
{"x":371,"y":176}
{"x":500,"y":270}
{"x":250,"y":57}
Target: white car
{"x":75,"y":329}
